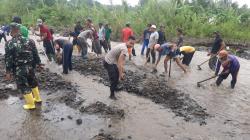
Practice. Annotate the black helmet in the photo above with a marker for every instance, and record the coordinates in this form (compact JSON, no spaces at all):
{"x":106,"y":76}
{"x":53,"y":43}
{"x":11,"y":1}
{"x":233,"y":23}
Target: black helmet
{"x":17,"y":19}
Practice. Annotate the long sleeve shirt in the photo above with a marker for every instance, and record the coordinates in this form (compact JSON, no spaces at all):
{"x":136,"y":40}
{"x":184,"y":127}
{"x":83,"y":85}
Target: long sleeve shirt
{"x":232,"y":66}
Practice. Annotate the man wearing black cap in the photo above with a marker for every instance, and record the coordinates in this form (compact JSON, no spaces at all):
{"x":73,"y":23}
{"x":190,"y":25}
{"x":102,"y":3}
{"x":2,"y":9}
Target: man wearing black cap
{"x":21,"y":57}
{"x":23,"y":30}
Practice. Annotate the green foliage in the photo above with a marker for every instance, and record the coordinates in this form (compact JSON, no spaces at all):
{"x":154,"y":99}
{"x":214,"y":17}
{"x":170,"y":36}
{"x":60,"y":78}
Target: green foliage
{"x":198,"y":18}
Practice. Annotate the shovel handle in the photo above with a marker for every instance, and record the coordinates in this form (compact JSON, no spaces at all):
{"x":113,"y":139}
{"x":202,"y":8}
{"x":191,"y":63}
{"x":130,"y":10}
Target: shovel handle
{"x":204,"y":62}
{"x":207,"y":79}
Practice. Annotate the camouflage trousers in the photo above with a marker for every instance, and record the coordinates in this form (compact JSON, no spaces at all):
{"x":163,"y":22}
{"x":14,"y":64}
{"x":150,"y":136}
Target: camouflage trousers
{"x":25,"y":79}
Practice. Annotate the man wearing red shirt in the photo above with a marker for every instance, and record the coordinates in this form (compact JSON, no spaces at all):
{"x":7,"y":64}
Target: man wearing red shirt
{"x":47,"y":39}
{"x":96,"y":47}
{"x":126,"y":33}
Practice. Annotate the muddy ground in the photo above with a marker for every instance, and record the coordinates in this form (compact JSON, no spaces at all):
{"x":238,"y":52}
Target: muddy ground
{"x":149,"y":86}
{"x":63,"y":92}
{"x":149,"y":106}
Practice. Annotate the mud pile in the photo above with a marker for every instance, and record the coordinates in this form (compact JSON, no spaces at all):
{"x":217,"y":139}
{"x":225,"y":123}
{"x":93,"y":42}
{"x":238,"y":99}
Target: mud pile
{"x":103,"y":109}
{"x":5,"y":91}
{"x":103,"y":136}
{"x":150,"y":86}
{"x":52,"y":83}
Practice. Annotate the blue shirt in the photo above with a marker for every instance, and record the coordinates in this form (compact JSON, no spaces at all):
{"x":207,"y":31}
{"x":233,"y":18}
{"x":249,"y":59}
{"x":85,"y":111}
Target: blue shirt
{"x":165,"y":50}
{"x":162,"y":38}
{"x":233,"y":65}
{"x":146,"y":34}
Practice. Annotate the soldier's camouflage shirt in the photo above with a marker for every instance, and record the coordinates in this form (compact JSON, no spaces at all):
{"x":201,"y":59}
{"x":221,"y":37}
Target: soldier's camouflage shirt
{"x":20,"y":52}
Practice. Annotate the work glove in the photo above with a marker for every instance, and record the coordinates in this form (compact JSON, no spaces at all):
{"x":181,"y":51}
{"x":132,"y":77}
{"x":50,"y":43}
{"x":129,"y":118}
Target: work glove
{"x":40,"y":67}
{"x":216,"y":74}
{"x":8,"y":77}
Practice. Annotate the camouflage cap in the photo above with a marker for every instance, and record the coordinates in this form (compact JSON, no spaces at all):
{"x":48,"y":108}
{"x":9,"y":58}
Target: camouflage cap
{"x":15,"y":25}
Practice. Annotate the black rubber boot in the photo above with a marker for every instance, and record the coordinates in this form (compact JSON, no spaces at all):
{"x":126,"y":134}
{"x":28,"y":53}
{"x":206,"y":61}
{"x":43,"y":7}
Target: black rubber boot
{"x":112,"y":95}
{"x":232,"y":84}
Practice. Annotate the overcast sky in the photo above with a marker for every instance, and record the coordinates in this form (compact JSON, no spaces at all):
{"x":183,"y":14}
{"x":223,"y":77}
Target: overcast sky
{"x":135,"y":2}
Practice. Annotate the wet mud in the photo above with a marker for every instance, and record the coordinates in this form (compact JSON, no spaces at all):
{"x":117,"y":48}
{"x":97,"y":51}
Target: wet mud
{"x":65,"y":92}
{"x":54,"y":83}
{"x":143,"y":83}
{"x":105,"y":136}
{"x":103,"y":109}
{"x":6,"y":87}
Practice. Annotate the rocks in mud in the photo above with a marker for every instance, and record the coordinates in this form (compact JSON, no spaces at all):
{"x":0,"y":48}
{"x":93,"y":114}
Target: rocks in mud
{"x":103,"y":109}
{"x":69,"y":117}
{"x":108,"y":136}
{"x":79,"y":121}
{"x":147,"y":85}
{"x":70,"y":99}
{"x":53,"y":81}
{"x":244,"y":54}
{"x":5,"y":86}
{"x":104,"y":136}
{"x":3,"y":96}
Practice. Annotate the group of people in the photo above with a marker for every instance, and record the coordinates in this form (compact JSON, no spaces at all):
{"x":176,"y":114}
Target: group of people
{"x":155,"y":41}
{"x":3,"y":33}
{"x":22,"y":59}
{"x":99,"y":38}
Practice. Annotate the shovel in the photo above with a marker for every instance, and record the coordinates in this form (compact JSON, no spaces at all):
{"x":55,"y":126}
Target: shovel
{"x":198,"y":83}
{"x":199,"y":66}
{"x":169,"y":72}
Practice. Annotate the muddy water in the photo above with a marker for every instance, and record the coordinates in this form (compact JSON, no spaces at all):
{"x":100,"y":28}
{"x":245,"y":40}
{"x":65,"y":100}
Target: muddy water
{"x":144,"y":120}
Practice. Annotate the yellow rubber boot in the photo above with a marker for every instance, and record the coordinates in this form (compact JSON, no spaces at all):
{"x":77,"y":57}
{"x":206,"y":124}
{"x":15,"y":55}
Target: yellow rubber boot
{"x":36,"y":94}
{"x":30,"y":103}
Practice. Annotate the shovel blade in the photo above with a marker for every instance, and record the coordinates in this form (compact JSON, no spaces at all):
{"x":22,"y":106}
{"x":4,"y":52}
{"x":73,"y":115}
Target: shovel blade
{"x":199,"y":67}
{"x":198,"y":85}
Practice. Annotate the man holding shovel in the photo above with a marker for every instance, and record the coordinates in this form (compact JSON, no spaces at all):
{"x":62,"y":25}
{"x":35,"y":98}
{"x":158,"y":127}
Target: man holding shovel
{"x":231,"y":66}
{"x":187,"y":52}
{"x":170,"y":51}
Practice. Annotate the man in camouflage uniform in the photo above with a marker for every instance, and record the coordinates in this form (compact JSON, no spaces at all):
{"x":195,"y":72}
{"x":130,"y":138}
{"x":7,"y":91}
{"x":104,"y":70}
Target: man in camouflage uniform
{"x":21,"y":58}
